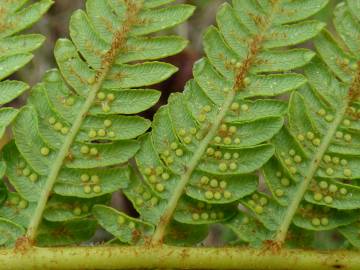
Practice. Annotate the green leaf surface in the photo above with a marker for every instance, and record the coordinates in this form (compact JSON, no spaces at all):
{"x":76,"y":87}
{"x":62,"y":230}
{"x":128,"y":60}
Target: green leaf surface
{"x":77,"y":132}
{"x":7,"y":115}
{"x":16,"y":50}
{"x":17,"y":209}
{"x":208,"y":141}
{"x":9,"y":232}
{"x":67,"y":233}
{"x":126,"y":229}
{"x":63,"y":209}
{"x":316,"y":158}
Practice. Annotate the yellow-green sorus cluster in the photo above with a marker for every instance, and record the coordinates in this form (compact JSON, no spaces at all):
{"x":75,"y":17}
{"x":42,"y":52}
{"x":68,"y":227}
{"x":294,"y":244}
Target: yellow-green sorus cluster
{"x":105,"y":100}
{"x":226,"y":135}
{"x":77,"y":209}
{"x":332,"y":164}
{"x":325,"y":192}
{"x":215,"y":189}
{"x":122,"y":221}
{"x":327,"y":116}
{"x":258,"y":203}
{"x":228,"y":161}
{"x":17,"y":201}
{"x":204,"y":212}
{"x":143,"y":196}
{"x":89,"y":151}
{"x":58,"y":126}
{"x":202,"y":117}
{"x":91,"y":183}
{"x":175,"y":150}
{"x":316,"y":219}
{"x":238,"y":221}
{"x":187,"y":136}
{"x":237,"y":108}
{"x":24,"y":170}
{"x":283,"y":182}
{"x":69,"y":101}
{"x":310,"y":137}
{"x":291,"y":160}
{"x":156,"y":177}
{"x":340,"y":135}
{"x":345,"y":64}
{"x":102,"y":132}
{"x":45,"y":151}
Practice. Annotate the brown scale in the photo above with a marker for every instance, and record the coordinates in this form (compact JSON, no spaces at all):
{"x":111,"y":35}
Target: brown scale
{"x":248,"y":62}
{"x":224,"y":134}
{"x":354,"y":92}
{"x":119,"y":40}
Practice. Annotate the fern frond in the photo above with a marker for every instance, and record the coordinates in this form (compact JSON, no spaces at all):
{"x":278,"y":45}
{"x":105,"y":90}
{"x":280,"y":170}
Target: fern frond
{"x":76,"y":134}
{"x":200,"y":159}
{"x":16,"y":50}
{"x":312,"y":177}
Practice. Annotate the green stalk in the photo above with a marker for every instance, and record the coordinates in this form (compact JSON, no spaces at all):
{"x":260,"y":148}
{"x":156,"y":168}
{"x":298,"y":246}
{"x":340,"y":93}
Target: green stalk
{"x":166,"y":257}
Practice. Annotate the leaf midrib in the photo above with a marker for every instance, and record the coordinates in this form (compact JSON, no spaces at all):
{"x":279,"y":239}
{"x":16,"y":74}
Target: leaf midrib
{"x":239,"y":79}
{"x":281,"y":233}
{"x":108,"y":59}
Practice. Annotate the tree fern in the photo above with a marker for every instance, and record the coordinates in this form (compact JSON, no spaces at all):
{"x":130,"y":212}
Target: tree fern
{"x":16,"y":50}
{"x":312,"y":177}
{"x":72,"y":141}
{"x":205,"y":146}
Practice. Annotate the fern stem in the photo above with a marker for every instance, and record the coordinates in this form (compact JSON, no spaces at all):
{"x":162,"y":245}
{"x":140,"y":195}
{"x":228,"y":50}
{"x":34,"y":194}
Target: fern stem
{"x":314,"y":165}
{"x":58,"y":163}
{"x":109,"y":57}
{"x":166,"y":257}
{"x":165,"y":219}
{"x":239,"y":84}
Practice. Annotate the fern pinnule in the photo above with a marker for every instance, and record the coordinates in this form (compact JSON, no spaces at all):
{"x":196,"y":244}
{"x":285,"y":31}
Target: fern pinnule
{"x":16,"y":50}
{"x":73,"y":140}
{"x":205,"y":146}
{"x":342,"y":57}
{"x":312,"y":178}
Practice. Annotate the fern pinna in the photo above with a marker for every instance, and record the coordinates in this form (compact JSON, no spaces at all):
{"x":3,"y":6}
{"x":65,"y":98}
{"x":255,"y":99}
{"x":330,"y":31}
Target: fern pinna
{"x":16,"y":50}
{"x":312,"y":177}
{"x":72,"y":141}
{"x":209,"y":141}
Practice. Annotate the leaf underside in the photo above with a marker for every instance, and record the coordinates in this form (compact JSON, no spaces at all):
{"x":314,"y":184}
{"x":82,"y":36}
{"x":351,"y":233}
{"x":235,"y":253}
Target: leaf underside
{"x":312,"y":178}
{"x":78,"y":130}
{"x":208,"y":142}
{"x":16,"y":50}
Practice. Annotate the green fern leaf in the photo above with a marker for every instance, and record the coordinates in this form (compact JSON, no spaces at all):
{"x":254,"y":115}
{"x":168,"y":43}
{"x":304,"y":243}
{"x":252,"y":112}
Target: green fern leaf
{"x":76,"y":134}
{"x":3,"y":192}
{"x":16,"y":50}
{"x":76,"y":231}
{"x":312,"y":176}
{"x":209,"y":141}
{"x":10,"y":231}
